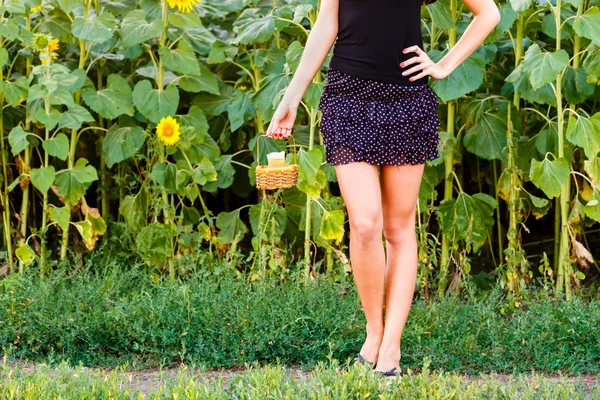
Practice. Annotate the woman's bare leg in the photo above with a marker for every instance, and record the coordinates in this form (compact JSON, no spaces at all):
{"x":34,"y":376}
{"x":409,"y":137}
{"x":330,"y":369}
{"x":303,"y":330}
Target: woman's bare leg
{"x":400,"y":191}
{"x":359,"y":185}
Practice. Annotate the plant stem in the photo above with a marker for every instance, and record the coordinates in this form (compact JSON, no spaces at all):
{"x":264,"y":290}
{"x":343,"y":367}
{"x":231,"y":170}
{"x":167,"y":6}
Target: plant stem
{"x":448,"y":169}
{"x":74,"y":135}
{"x":307,"y":227}
{"x":23,"y":214}
{"x":564,"y":269}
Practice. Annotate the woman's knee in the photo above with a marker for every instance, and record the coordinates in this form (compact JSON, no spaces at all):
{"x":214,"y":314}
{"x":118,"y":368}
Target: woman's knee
{"x":399,"y":233}
{"x":366,"y":228}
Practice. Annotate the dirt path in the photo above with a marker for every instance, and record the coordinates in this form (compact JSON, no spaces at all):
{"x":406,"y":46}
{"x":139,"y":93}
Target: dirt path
{"x":148,"y":379}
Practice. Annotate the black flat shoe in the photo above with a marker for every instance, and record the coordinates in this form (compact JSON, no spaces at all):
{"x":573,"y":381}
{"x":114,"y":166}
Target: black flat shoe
{"x":361,"y":360}
{"x":391,"y":373}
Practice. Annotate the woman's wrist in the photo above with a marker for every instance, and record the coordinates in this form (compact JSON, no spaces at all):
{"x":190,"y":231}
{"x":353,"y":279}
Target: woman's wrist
{"x":446,"y":66}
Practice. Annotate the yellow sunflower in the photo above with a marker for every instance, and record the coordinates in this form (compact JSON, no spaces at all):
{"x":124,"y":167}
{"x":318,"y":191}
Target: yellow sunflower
{"x":53,"y":46}
{"x":168,"y":131}
{"x":183,"y":5}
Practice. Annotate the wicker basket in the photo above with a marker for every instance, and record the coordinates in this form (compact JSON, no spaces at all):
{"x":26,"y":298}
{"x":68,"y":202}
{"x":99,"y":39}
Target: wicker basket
{"x":276,"y":177}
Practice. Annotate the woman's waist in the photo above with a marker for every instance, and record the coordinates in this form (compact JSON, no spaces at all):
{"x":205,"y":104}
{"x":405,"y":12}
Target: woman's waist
{"x":382,"y":69}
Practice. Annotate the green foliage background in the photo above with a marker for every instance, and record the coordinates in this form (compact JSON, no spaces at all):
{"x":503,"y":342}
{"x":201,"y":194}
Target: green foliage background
{"x":81,"y":162}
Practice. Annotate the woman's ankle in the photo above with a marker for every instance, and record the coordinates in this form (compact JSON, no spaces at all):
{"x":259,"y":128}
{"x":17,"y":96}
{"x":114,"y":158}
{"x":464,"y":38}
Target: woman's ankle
{"x":375,"y":331}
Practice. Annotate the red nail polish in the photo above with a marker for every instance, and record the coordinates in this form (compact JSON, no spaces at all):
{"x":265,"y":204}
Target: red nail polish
{"x":402,"y":64}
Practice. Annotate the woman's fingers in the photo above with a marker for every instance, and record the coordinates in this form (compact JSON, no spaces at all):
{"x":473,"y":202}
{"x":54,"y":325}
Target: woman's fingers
{"x":278,"y":132}
{"x":422,"y":65}
{"x":422,"y":61}
{"x":425,"y":72}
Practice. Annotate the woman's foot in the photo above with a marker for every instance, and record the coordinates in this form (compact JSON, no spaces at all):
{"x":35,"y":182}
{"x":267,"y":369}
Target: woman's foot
{"x":370,"y":348}
{"x":387,"y":359}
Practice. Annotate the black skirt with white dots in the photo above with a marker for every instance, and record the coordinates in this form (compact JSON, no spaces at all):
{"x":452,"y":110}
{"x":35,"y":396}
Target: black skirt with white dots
{"x":378,"y":122}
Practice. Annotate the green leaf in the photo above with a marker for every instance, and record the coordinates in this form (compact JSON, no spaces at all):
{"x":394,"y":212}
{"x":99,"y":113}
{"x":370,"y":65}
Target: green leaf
{"x":166,"y":176}
{"x":121,"y":143}
{"x":253,"y":28}
{"x":592,"y":208}
{"x":575,"y":87}
{"x":272,"y":86}
{"x":182,"y":59}
{"x":520,"y":80}
{"x":9,"y":29}
{"x":441,"y":15}
{"x":467,"y":218}
{"x":15,"y":92}
{"x":196,"y":119}
{"x":309,"y":163}
{"x":75,"y":117}
{"x":487,"y":138}
{"x":220,"y":52}
{"x":94,"y":29}
{"x":155,"y":104}
{"x":61,"y":215}
{"x":114,"y":100}
{"x":591,"y":64}
{"x":313,"y":94}
{"x":25,"y":254}
{"x":135,"y":29}
{"x":549,"y":175}
{"x":467,"y":77}
{"x":85,"y":230}
{"x":206,"y":82}
{"x":133,"y":209}
{"x":185,"y":20}
{"x":274,"y":220}
{"x":293,"y":55}
{"x":189,"y":216}
{"x":3,"y":57}
{"x":231,"y":227}
{"x":204,"y":172}
{"x":69,"y":5}
{"x":225,"y":171}
{"x":588,"y":25}
{"x":542,"y":67}
{"x":313,"y":189}
{"x":585,"y":133}
{"x":332,"y":225}
{"x":520,"y":5}
{"x":18,"y":140}
{"x":240,"y":109}
{"x":49,"y":120}
{"x":43,"y":178}
{"x":58,"y":146}
{"x":155,"y":242}
{"x":72,"y":183}
{"x":592,"y":168}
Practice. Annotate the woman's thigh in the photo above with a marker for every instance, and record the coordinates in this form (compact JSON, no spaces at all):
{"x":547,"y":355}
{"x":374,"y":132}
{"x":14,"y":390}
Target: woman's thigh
{"x":360,"y":189}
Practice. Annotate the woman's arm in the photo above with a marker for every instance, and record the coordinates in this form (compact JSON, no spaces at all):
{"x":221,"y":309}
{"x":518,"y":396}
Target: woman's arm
{"x":486,"y":17}
{"x":318,"y":44}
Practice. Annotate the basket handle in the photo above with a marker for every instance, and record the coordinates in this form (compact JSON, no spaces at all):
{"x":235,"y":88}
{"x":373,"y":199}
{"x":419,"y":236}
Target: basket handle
{"x":258,"y":148}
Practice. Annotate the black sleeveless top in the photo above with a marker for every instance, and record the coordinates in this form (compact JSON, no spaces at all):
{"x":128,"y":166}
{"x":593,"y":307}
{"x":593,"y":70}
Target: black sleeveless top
{"x":371,"y":36}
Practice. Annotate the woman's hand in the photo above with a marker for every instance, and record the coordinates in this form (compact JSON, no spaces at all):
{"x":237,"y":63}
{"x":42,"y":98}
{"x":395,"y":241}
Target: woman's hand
{"x":424,"y":64}
{"x":283,"y":121}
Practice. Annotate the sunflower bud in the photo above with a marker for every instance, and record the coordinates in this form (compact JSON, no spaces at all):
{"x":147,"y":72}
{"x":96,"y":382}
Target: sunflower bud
{"x":41,"y":42}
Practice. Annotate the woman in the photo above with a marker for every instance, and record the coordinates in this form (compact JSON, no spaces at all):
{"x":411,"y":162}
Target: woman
{"x":379,"y":113}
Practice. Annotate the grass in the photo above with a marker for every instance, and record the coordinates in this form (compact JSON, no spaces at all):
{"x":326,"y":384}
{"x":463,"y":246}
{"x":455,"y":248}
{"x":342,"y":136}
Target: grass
{"x":327,"y":381}
{"x":120,"y":315}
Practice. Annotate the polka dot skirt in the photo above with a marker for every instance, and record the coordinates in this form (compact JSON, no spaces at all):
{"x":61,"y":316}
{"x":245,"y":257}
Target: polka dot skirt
{"x":377,"y":122}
